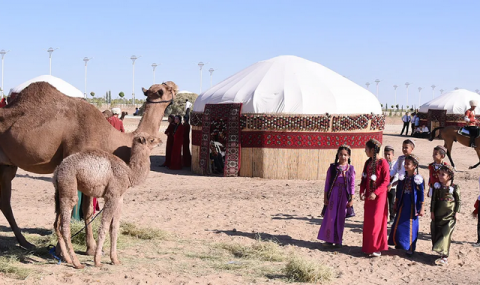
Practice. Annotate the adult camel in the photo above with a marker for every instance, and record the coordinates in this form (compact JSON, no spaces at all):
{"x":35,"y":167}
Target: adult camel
{"x":450,"y":135}
{"x":42,"y":126}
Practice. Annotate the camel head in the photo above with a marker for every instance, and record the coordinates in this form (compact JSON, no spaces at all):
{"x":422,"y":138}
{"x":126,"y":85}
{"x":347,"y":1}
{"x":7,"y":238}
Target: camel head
{"x":146,"y":140}
{"x":164,"y":93}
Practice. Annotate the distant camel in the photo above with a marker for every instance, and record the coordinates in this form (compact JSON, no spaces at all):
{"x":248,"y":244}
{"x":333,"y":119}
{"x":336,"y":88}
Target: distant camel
{"x":97,"y":173}
{"x":450,"y":135}
{"x":42,"y":126}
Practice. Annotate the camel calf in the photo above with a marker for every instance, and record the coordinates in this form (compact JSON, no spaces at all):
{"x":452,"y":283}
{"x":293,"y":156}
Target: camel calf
{"x":97,"y":173}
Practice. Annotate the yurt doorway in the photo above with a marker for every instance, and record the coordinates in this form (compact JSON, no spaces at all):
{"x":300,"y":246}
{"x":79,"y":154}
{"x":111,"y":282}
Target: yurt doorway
{"x":220,"y":144}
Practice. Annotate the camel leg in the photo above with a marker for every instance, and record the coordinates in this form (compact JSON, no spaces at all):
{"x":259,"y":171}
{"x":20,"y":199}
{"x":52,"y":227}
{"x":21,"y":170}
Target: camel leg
{"x":87,"y":208}
{"x":7,"y":173}
{"x":114,"y":232}
{"x":66,"y":207}
{"x":61,"y":239}
{"x":107,"y":215}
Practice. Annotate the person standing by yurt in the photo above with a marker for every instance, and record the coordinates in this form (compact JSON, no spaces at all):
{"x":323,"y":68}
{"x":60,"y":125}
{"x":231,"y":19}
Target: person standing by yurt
{"x":169,"y":133}
{"x":176,"y":159}
{"x":187,"y":157}
{"x":373,"y":190}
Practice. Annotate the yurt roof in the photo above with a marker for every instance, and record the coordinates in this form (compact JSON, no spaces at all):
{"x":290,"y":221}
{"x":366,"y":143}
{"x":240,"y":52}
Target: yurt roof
{"x":184,"y":92}
{"x":455,"y":102}
{"x":292,"y":85}
{"x":62,"y":86}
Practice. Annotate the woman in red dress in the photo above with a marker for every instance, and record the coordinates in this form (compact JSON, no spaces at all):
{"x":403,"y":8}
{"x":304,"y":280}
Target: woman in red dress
{"x":187,"y":157}
{"x":373,"y":190}
{"x":176,"y":160}
{"x":169,"y":133}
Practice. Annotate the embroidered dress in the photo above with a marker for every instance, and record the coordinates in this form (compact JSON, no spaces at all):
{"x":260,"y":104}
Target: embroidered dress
{"x":376,"y":211}
{"x":445,"y":204}
{"x":433,"y":170}
{"x":409,"y":200}
{"x":337,"y":189}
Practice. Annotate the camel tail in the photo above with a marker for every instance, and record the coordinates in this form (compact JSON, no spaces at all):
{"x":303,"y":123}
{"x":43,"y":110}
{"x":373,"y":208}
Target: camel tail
{"x":432,"y":134}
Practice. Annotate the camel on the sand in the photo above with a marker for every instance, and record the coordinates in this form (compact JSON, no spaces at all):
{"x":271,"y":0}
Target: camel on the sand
{"x":42,"y":126}
{"x":97,"y":173}
{"x":450,"y":135}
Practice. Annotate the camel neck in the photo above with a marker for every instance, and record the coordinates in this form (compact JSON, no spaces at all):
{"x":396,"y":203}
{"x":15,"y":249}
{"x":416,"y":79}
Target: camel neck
{"x":152,"y":118}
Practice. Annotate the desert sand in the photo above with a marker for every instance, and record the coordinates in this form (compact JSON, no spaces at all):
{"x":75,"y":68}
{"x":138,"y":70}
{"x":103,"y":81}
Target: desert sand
{"x":202,"y":211}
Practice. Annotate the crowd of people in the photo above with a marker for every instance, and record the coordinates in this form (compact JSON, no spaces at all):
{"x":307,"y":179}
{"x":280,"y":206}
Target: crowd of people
{"x":177,"y":153}
{"x":393,"y":195}
{"x":413,"y":121}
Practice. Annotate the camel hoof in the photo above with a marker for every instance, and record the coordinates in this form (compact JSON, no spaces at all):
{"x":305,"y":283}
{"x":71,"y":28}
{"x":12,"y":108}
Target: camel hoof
{"x":99,"y":265}
{"x":90,"y":252}
{"x":116,"y":262}
{"x":80,"y":266}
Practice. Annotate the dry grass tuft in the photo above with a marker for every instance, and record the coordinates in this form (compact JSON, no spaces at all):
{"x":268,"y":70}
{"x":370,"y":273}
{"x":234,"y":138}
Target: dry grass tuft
{"x":132,"y":230}
{"x":301,"y":270}
{"x":263,"y":250}
{"x":7,"y":267}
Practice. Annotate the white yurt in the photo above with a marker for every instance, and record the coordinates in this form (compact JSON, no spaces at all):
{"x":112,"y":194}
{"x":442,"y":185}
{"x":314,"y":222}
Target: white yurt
{"x":448,"y":109}
{"x":283,"y":118}
{"x":62,"y":86}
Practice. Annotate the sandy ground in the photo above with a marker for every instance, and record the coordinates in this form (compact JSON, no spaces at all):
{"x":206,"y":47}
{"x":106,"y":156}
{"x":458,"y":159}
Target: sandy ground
{"x":204,"y":210}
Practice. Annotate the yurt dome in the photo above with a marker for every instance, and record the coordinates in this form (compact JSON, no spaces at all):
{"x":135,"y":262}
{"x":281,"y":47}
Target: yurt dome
{"x":62,"y":86}
{"x":455,"y":102}
{"x":291,"y":85}
{"x":282,"y":118}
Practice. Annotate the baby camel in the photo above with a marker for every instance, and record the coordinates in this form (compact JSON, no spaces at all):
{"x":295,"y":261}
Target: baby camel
{"x":97,"y":173}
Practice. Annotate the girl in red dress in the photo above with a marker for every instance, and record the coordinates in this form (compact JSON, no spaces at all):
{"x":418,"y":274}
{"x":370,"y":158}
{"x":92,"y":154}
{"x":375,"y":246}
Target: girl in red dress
{"x":176,"y":160}
{"x":373,"y":190}
{"x":169,"y":133}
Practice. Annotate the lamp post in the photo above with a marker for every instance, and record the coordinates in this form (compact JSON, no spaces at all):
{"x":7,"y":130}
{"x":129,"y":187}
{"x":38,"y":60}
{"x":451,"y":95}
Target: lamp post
{"x":419,"y":95}
{"x":133,"y":58}
{"x":407,"y":84}
{"x":433,"y":91}
{"x":395,"y":88}
{"x":377,"y":81}
{"x":154,"y":65}
{"x":368,"y":84}
{"x":50,"y":51}
{"x":441,"y":91}
{"x":211,"y":70}
{"x":201,"y":64}
{"x":86,"y":59}
{"x":3,"y":53}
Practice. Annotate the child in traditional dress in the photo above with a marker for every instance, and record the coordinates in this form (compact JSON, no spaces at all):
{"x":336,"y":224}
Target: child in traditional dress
{"x":476,"y":215}
{"x":389,"y":154}
{"x":408,"y":146}
{"x":408,"y":206}
{"x":338,"y":196}
{"x":439,"y":153}
{"x":373,"y":190}
{"x":444,"y":208}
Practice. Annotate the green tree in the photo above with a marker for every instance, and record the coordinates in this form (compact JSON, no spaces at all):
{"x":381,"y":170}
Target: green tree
{"x":92,"y":94}
{"x":178,"y":105}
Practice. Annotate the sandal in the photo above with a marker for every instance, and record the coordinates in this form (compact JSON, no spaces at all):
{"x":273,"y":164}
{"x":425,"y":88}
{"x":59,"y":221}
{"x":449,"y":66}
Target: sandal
{"x":375,"y":254}
{"x":441,"y":261}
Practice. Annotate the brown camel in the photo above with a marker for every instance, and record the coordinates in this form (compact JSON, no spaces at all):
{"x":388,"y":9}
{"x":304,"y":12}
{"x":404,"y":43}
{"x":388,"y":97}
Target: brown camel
{"x":97,"y":173}
{"x":450,"y":135}
{"x":42,"y":126}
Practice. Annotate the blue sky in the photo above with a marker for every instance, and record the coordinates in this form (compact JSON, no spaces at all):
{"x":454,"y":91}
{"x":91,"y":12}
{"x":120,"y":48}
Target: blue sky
{"x":422,"y":42}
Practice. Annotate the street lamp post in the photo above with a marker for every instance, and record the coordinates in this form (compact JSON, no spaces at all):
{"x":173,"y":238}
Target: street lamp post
{"x":395,"y":88}
{"x":201,"y":64}
{"x":433,"y":91}
{"x":407,"y":84}
{"x":86,"y":59}
{"x":154,"y":65}
{"x":419,"y":95}
{"x":211,"y":70}
{"x":441,"y":91}
{"x":377,"y":81}
{"x":133,"y":58}
{"x":3,"y":53}
{"x":50,"y":51}
{"x":368,"y":84}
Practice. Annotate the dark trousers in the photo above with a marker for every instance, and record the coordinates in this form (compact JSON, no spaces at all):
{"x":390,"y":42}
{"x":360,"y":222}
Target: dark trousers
{"x":391,"y":203}
{"x":473,"y":134}
{"x":187,"y":115}
{"x":413,"y":129}
{"x":405,"y":125}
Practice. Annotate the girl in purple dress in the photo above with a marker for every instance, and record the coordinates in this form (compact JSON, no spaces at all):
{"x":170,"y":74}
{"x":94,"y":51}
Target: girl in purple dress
{"x":338,"y":196}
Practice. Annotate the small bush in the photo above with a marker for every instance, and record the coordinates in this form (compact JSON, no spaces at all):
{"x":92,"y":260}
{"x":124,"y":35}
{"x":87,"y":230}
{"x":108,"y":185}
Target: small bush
{"x":301,"y":270}
{"x":132,"y":230}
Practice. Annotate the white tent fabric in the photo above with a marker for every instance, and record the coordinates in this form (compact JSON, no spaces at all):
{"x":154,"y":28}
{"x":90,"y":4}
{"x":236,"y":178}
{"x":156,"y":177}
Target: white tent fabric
{"x":291,"y":85}
{"x":62,"y":86}
{"x":455,"y":102}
